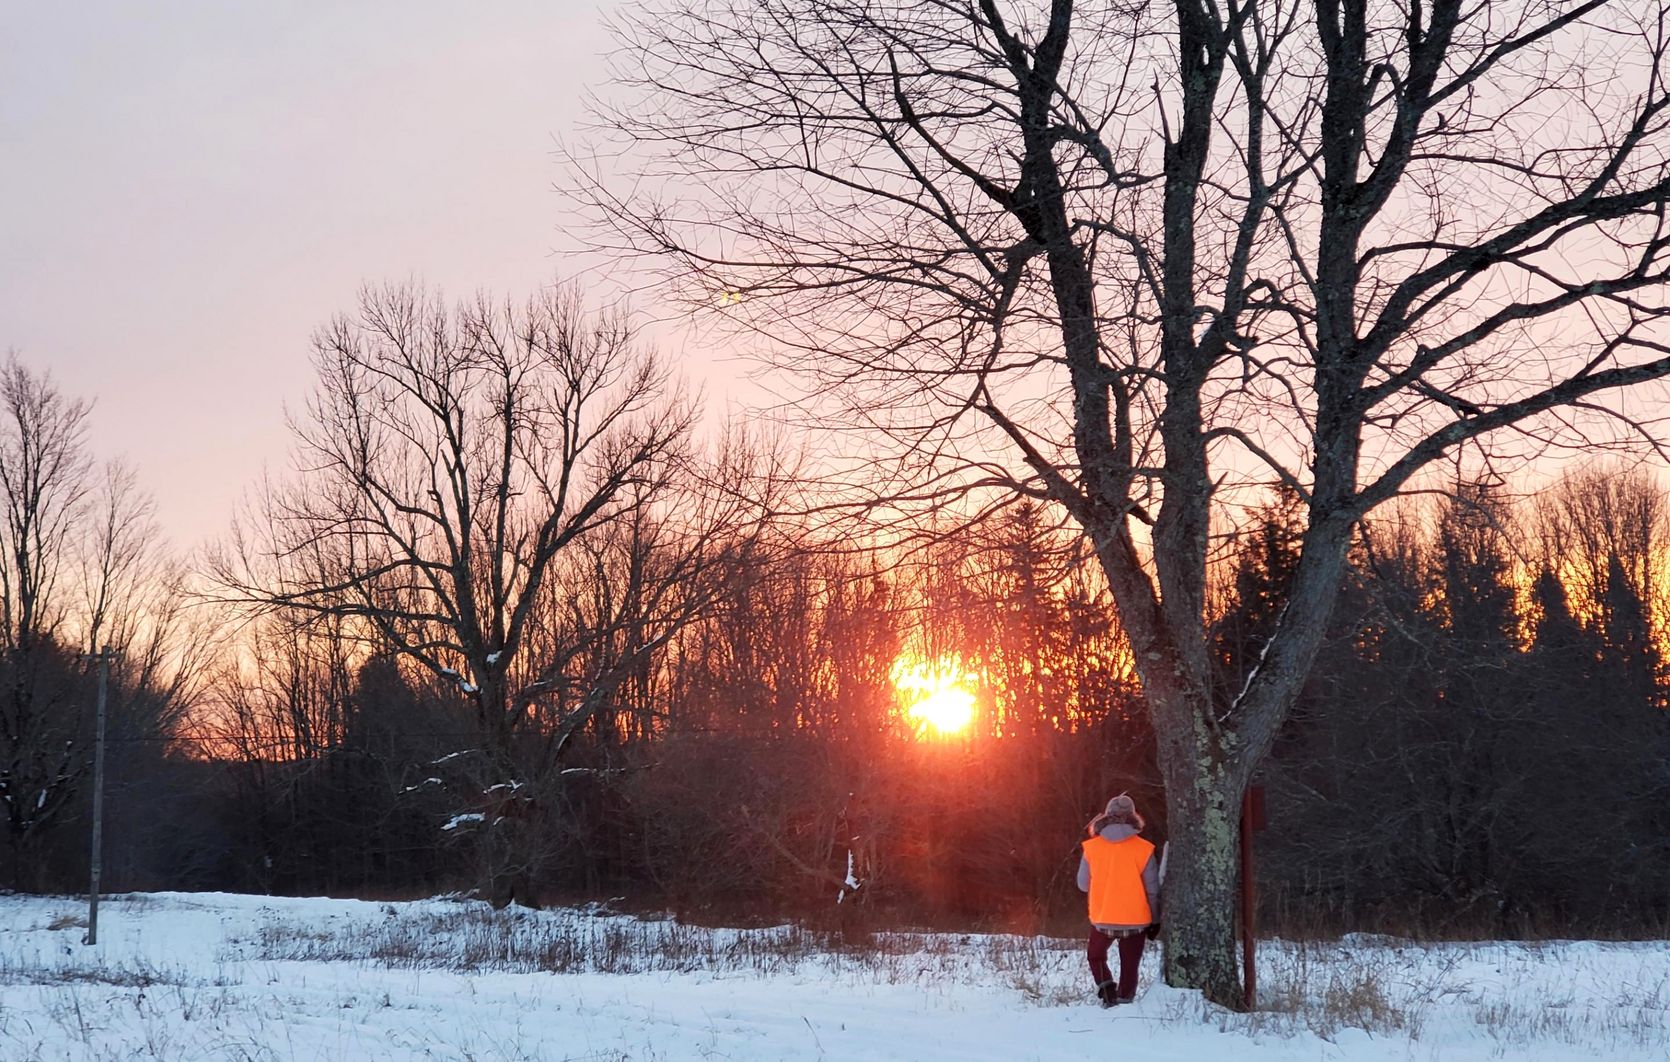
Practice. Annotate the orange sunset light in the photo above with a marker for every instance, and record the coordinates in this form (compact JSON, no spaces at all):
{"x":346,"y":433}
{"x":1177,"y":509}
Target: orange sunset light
{"x":937,"y":694}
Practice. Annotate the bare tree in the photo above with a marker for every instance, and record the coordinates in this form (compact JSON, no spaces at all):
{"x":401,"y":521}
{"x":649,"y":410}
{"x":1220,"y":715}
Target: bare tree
{"x":1133,"y":257}
{"x":135,"y":595}
{"x":447,"y":461}
{"x":44,"y":474}
{"x":83,"y":564}
{"x":1602,"y":525}
{"x":507,"y":499}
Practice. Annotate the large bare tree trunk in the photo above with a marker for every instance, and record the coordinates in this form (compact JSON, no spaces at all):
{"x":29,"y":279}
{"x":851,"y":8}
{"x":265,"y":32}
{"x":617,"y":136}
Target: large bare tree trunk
{"x":1199,"y":904}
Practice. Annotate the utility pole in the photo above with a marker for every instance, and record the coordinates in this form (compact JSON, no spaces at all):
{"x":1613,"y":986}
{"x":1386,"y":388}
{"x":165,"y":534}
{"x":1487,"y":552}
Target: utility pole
{"x":104,"y":657}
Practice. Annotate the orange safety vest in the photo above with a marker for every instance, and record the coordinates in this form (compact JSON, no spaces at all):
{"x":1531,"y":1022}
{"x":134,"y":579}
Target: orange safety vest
{"x":1117,"y":897}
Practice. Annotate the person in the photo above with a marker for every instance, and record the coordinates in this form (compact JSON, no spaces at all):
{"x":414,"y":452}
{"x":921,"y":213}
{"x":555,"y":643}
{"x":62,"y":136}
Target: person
{"x":1119,"y":871}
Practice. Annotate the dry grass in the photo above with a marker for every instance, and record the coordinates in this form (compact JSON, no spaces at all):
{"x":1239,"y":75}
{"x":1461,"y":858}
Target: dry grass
{"x":1324,"y":989}
{"x":1637,"y":1016}
{"x":474,"y":938}
{"x":131,"y":974}
{"x":1397,"y":989}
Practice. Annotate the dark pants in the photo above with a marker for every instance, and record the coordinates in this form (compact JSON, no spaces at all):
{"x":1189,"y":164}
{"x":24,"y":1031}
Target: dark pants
{"x":1130,"y":958}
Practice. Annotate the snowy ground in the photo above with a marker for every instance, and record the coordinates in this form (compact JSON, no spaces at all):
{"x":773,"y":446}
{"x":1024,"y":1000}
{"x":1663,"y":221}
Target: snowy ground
{"x":186,"y":977}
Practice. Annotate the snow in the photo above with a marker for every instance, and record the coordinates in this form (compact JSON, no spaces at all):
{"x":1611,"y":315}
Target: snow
{"x":462,"y":684}
{"x":201,"y":977}
{"x":493,"y":658}
{"x":420,"y":785}
{"x":453,"y":756}
{"x":463,"y":820}
{"x":850,"y":883}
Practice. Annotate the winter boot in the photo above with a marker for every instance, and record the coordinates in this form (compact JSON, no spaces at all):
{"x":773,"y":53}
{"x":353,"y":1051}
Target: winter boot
{"x":1108,"y":993}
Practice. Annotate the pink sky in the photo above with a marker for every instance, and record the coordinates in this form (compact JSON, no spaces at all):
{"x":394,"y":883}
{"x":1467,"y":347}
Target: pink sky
{"x":189,"y":188}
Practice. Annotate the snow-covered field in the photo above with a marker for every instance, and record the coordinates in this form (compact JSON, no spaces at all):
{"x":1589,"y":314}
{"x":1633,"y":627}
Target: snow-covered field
{"x":185,"y":977}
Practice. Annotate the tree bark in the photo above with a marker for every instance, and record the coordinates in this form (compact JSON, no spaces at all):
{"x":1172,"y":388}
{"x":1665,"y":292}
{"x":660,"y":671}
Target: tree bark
{"x":1198,"y":908}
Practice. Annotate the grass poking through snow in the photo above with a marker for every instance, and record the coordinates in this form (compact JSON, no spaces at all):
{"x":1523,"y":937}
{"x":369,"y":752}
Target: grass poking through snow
{"x":254,"y":979}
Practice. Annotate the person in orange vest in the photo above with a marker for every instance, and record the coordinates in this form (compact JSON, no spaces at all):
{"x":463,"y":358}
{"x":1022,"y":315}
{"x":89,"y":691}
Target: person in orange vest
{"x":1120,"y":872}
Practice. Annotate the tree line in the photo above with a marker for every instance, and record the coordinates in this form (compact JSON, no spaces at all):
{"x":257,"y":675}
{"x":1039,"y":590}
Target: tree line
{"x":444,"y":658}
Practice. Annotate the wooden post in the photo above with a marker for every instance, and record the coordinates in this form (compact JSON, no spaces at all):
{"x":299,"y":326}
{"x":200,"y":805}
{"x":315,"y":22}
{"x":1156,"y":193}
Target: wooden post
{"x":1252,"y":818}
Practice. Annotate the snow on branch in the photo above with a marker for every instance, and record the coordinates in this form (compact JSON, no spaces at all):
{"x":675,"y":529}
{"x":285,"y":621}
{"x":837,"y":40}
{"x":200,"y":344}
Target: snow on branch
{"x":454,"y":756}
{"x":463,"y":684}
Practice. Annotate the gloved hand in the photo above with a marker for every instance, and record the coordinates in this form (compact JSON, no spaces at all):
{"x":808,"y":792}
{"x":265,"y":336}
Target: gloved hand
{"x":1153,"y":931}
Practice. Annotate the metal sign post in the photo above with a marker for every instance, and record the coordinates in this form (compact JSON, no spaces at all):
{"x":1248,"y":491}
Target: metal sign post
{"x":104,"y":658}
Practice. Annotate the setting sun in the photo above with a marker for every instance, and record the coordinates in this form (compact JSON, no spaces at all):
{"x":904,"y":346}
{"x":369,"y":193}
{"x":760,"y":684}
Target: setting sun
{"x":938,"y":695}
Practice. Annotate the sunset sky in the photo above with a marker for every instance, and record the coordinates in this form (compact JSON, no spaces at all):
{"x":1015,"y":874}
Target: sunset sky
{"x":191,"y":186}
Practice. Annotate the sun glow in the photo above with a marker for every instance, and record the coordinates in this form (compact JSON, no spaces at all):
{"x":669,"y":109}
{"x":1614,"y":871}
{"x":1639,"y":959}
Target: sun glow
{"x":938,"y":694}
